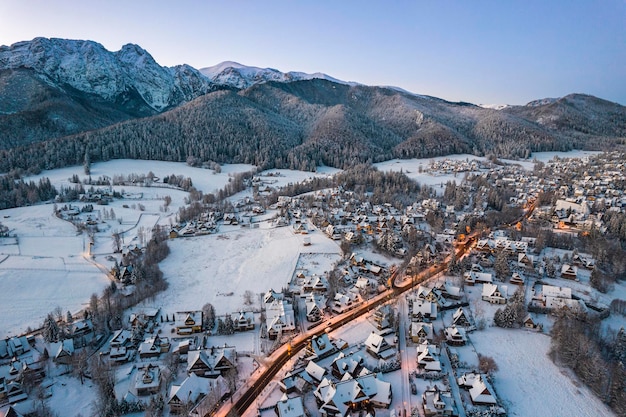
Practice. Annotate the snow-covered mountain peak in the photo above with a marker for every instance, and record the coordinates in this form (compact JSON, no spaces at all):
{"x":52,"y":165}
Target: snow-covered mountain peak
{"x":237,"y":75}
{"x":89,"y":67}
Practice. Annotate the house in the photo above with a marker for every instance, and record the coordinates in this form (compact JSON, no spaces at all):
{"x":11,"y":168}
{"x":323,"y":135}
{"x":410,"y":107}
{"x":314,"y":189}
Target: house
{"x":455,"y":336}
{"x":279,"y":314}
{"x":194,"y":392}
{"x":337,"y":399}
{"x":494,"y":294}
{"x":144,"y":318}
{"x":376,"y":345}
{"x":244,"y":320}
{"x":530,"y":323}
{"x":438,"y":403}
{"x":188,"y":322}
{"x":461,"y":318}
{"x":148,"y":380}
{"x":315,"y":305}
{"x":552,"y":297}
{"x":15,"y":392}
{"x":569,"y":271}
{"x":119,"y":355}
{"x":121,"y":338}
{"x":383,"y":316}
{"x":471,"y":278}
{"x":152,"y":347}
{"x":428,"y":357}
{"x":481,"y":392}
{"x":517,"y":278}
{"x":345,"y":302}
{"x":350,"y":364}
{"x":525,"y":261}
{"x":421,"y":331}
{"x":290,"y":407}
{"x":62,"y":351}
{"x":315,"y":371}
{"x":450,"y":291}
{"x":321,"y":346}
{"x":81,"y":332}
{"x":423,"y":310}
{"x":17,"y":346}
{"x":315,"y":283}
{"x":211,"y":362}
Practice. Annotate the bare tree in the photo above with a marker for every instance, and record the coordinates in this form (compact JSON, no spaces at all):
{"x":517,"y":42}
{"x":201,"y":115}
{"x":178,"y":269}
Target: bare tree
{"x":248,"y":298}
{"x":117,"y":242}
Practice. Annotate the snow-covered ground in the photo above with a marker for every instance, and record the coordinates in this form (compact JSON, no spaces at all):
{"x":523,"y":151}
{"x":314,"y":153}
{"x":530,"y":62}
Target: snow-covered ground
{"x":43,"y":268}
{"x":527,"y":380}
{"x":219,"y":268}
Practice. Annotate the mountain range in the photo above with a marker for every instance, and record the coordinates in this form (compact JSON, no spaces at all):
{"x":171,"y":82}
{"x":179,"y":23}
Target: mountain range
{"x":63,"y":99}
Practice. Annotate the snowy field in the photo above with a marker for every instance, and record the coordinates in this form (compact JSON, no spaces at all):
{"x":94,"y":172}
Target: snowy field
{"x":528,"y":382}
{"x":203,"y":179}
{"x":43,"y":268}
{"x":219,"y":268}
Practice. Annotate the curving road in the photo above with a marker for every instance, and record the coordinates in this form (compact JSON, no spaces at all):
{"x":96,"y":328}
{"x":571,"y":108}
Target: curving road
{"x":247,"y":394}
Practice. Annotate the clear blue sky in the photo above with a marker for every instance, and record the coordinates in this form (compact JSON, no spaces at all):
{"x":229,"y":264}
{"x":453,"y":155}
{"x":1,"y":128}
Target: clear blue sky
{"x":484,"y":52}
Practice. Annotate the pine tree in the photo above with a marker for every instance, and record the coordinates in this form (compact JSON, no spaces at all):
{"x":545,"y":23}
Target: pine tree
{"x":50,"y":329}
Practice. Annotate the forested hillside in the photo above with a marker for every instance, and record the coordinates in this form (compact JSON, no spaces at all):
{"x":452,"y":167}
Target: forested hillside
{"x":307,"y":123}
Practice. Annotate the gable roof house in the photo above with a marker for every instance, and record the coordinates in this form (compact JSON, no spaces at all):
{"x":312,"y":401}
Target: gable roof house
{"x":9,"y":411}
{"x":438,"y":402}
{"x":421,"y":331}
{"x":376,"y":345}
{"x":517,"y":278}
{"x":337,"y":399}
{"x":244,"y":320}
{"x":290,"y":407}
{"x":315,"y":305}
{"x":351,"y":364}
{"x":62,"y":351}
{"x":188,"y":322}
{"x":455,"y":336}
{"x":428,"y":357}
{"x":321,"y":346}
{"x":279,"y":317}
{"x":194,"y":390}
{"x":495,"y":294}
{"x":471,"y":278}
{"x":211,"y":362}
{"x":422,"y":310}
{"x":481,"y":392}
{"x":152,"y":347}
{"x":461,"y":318}
{"x":569,"y":271}
{"x":345,"y":302}
{"x":525,"y":261}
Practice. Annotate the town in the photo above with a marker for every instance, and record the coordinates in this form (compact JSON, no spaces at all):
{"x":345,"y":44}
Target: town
{"x":533,"y":247}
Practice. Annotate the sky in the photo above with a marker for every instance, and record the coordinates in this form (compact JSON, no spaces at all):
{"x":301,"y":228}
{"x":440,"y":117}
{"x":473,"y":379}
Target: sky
{"x":483,"y":52}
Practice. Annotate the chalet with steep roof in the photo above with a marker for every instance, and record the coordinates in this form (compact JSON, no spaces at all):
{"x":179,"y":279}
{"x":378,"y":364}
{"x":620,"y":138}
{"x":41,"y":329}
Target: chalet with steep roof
{"x":188,"y":322}
{"x":211,"y":362}
{"x":455,"y":336}
{"x":437,"y":402}
{"x":495,"y":294}
{"x":337,"y":399}
{"x":420,"y":331}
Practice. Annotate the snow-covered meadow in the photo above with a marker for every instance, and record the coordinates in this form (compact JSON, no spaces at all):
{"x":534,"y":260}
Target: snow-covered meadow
{"x":49,"y":264}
